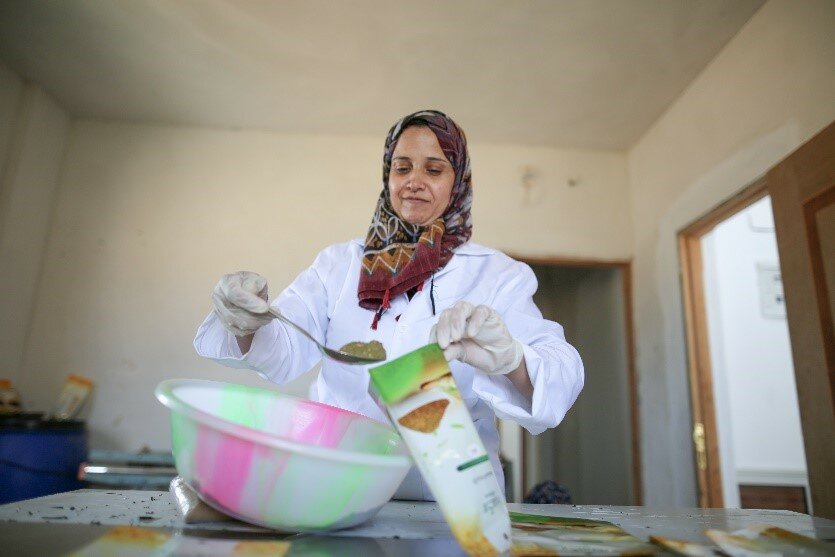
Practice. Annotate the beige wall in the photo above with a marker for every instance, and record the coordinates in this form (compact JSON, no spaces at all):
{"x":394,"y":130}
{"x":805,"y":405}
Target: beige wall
{"x":148,"y":218}
{"x":32,"y":142}
{"x":768,"y":91}
{"x":11,"y":88}
{"x":589,"y":219}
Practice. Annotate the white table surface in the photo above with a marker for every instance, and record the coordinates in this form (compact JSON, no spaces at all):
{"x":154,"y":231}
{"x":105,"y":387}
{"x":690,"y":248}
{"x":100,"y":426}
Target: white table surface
{"x":75,"y":518}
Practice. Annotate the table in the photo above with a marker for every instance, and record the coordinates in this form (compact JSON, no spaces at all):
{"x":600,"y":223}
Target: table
{"x":62,"y":523}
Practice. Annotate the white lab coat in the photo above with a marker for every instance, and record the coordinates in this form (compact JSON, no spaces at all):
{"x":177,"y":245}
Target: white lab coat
{"x":323,"y":299}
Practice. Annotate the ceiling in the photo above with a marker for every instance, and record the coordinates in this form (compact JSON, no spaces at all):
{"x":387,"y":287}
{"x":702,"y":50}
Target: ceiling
{"x":563,"y":73}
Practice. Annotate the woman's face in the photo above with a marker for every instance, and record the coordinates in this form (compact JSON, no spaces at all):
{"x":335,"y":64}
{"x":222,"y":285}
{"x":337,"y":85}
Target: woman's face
{"x":421,"y":177}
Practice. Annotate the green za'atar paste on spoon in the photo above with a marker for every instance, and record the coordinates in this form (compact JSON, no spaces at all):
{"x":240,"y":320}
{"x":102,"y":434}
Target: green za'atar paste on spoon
{"x":372,"y":350}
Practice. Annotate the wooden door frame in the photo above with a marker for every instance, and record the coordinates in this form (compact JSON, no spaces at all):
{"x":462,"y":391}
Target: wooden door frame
{"x":700,"y":371}
{"x":625,"y":268}
{"x":800,"y":185}
{"x":810,"y":208}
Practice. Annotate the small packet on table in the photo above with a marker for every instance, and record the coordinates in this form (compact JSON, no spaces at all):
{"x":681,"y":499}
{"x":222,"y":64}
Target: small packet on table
{"x":427,"y":409}
{"x":75,"y":391}
{"x":9,"y":398}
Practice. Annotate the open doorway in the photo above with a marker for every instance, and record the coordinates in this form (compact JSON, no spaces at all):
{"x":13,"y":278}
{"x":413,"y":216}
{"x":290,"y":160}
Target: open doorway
{"x":594,"y":451}
{"x":747,"y":431}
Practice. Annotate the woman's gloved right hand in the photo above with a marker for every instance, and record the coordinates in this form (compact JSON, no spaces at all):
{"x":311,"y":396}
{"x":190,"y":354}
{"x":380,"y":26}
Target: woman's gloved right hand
{"x":240,"y":302}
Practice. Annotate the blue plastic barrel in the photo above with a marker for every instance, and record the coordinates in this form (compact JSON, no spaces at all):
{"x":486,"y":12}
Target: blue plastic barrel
{"x":39,"y":457}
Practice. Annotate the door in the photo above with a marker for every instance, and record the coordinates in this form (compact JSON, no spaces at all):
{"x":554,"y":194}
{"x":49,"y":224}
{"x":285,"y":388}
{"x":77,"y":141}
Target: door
{"x":593,"y":454}
{"x":705,"y":432}
{"x":747,"y":436}
{"x":802,"y":189}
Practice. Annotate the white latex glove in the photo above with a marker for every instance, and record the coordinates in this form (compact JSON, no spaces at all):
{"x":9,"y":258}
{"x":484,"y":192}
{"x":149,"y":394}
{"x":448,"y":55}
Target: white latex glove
{"x":240,"y":302}
{"x":477,"y":335}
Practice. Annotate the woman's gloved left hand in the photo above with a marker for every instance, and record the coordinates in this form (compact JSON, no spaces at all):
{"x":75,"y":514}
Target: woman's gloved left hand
{"x":477,"y":335}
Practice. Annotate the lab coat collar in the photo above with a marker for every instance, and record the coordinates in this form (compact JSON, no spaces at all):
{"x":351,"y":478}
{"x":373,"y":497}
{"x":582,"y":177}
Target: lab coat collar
{"x":467,"y":249}
{"x":460,"y":254}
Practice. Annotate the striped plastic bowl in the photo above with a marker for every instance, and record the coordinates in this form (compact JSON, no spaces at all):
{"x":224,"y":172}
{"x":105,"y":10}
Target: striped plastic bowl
{"x":280,"y":461}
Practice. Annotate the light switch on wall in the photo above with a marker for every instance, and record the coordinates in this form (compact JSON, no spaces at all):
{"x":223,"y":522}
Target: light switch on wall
{"x":770,"y":283}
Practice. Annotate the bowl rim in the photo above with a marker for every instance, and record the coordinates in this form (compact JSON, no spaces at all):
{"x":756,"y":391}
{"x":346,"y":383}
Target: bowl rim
{"x":165,"y":394}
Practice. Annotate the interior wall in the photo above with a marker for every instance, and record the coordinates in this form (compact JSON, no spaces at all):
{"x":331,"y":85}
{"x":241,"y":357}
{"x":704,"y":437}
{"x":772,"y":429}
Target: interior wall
{"x":11,"y":89}
{"x":32,"y":143}
{"x":148,"y":218}
{"x":766,"y":93}
{"x":546,"y":214}
{"x":753,"y":375}
{"x":590,"y":451}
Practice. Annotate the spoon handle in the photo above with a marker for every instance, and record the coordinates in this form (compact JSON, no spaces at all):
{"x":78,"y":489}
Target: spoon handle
{"x":324,"y":350}
{"x":275,"y":313}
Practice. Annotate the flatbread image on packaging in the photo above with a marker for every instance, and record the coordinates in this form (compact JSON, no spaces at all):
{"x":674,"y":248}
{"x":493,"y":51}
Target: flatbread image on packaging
{"x":426,"y":418}
{"x":446,"y":383}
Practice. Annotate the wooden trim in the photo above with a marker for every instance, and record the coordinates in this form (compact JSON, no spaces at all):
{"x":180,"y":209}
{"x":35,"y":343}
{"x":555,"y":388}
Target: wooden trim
{"x":803,"y":175}
{"x":559,"y":261}
{"x":524,"y":472}
{"x":746,"y":197}
{"x":700,"y":373}
{"x":634,"y":417}
{"x":708,"y":472}
{"x":810,"y":208}
{"x":777,"y":497}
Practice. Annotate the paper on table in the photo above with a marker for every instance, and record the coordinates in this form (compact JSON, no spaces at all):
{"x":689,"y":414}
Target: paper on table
{"x":762,"y":540}
{"x":547,"y":535}
{"x":756,"y":540}
{"x":683,"y":547}
{"x":133,"y":541}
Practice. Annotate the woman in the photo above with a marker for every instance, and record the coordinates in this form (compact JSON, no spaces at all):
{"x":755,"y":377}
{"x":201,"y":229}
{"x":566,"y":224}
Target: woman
{"x":415,"y":278}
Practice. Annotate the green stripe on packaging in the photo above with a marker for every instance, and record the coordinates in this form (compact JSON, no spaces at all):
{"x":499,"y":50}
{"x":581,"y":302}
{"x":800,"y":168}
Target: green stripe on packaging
{"x":473,"y":462}
{"x":397,"y":379}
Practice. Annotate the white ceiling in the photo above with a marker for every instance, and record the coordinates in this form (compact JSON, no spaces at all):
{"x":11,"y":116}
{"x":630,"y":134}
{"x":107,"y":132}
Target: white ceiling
{"x":563,"y":73}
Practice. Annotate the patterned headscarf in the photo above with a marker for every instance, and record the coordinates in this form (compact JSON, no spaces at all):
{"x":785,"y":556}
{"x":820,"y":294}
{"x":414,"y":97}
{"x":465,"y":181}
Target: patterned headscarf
{"x":400,"y":256}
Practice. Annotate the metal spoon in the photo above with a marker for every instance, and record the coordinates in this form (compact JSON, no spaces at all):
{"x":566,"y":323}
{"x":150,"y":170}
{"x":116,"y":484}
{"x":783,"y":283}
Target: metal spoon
{"x":337,"y":355}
